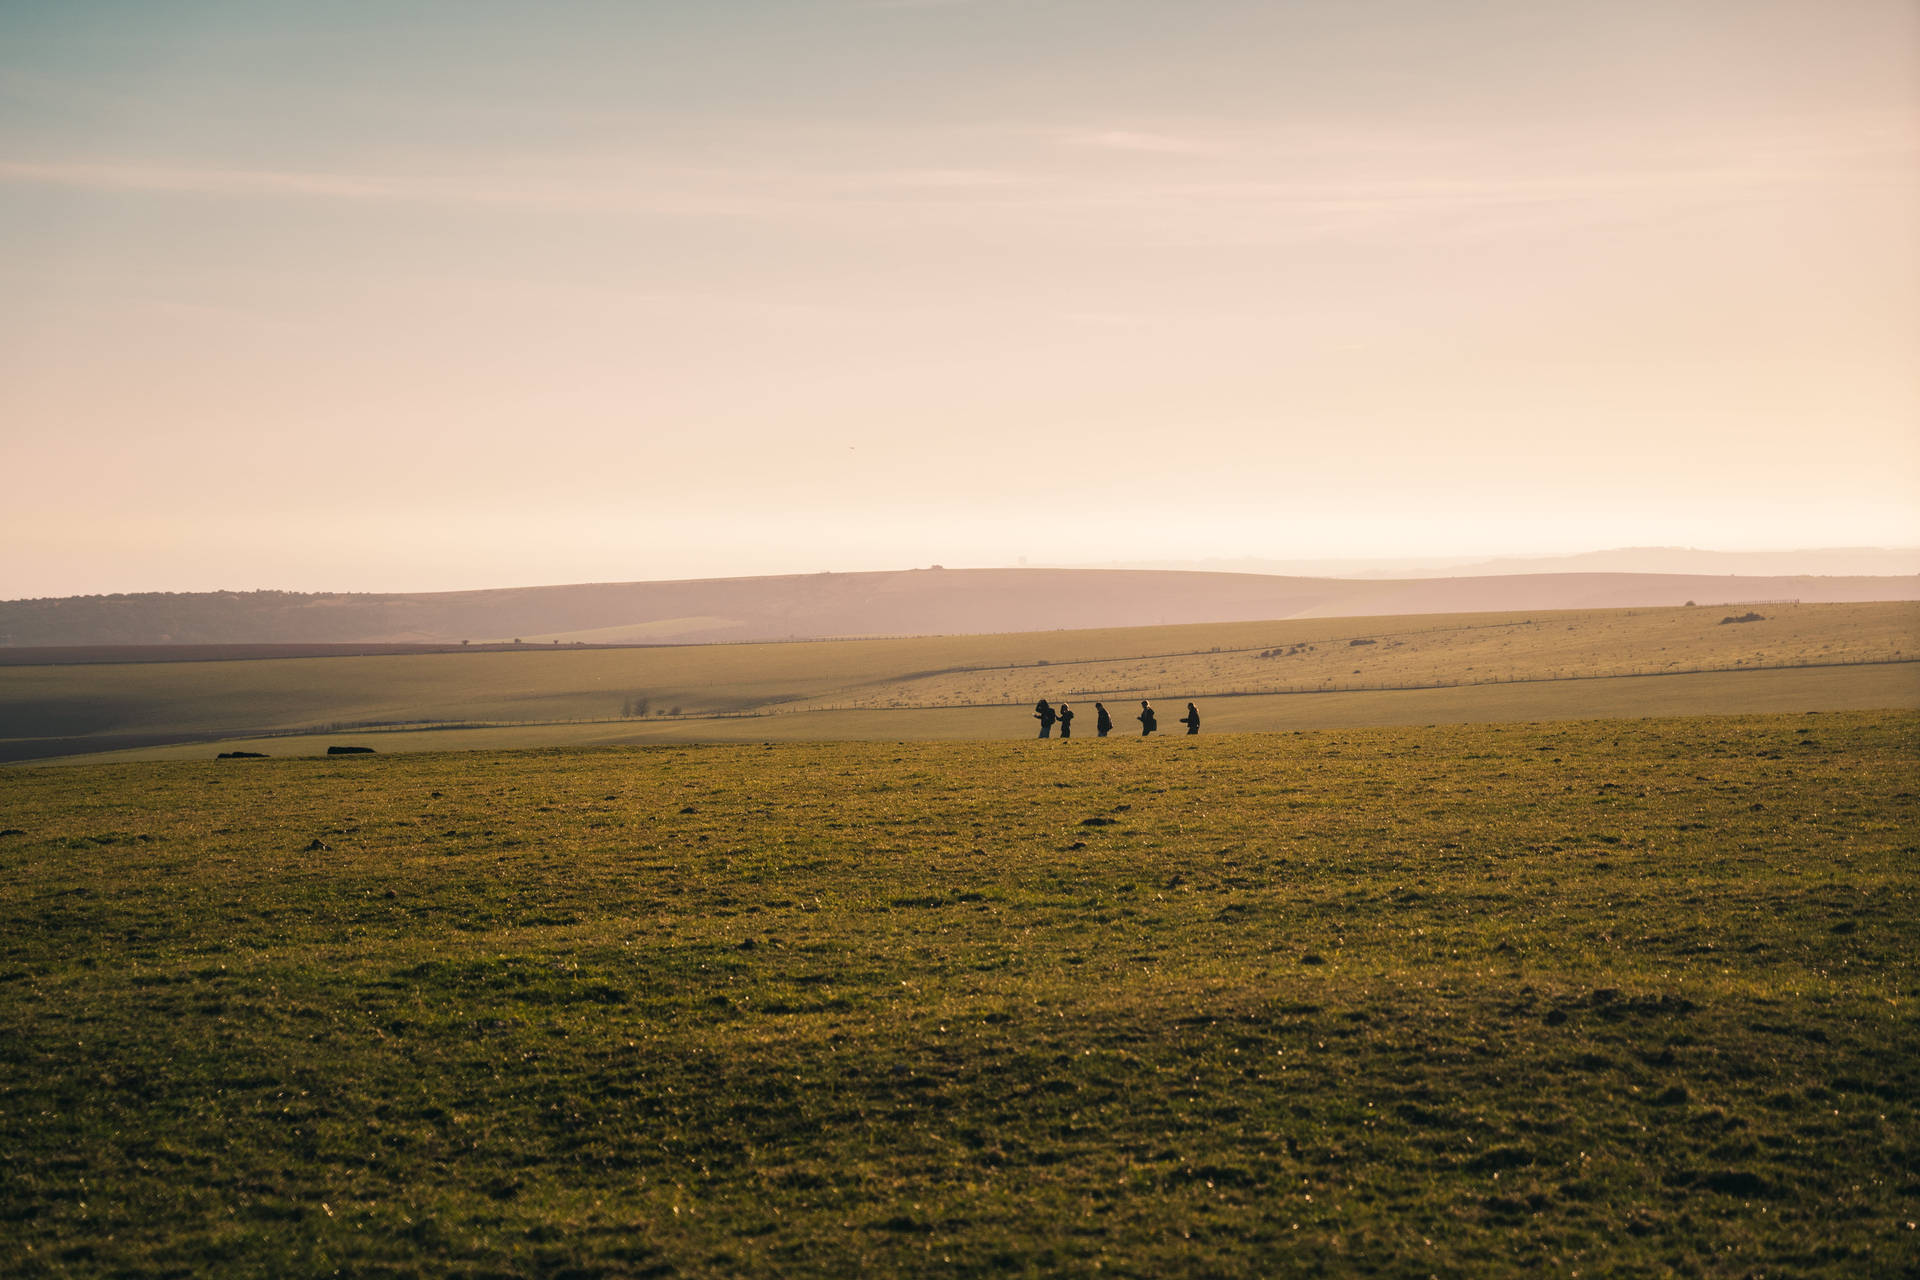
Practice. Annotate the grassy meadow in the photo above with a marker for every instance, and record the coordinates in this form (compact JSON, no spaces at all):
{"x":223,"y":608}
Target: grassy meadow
{"x":1425,"y":651}
{"x":1866,"y":687}
{"x":1263,"y":675}
{"x":1606,"y":998}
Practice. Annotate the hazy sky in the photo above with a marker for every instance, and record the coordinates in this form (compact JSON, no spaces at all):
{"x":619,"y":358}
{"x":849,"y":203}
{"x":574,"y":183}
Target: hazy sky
{"x":380,"y":296}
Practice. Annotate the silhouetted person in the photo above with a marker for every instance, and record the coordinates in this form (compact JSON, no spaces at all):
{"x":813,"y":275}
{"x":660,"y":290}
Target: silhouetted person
{"x":1066,"y":721}
{"x":1146,"y":717}
{"x":1103,"y":723}
{"x":1044,"y":714}
{"x":1191,"y":720}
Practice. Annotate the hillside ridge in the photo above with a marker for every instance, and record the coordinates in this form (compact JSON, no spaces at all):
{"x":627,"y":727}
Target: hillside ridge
{"x":893,"y":603}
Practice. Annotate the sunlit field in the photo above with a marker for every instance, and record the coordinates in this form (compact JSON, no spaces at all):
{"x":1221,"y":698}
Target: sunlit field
{"x":1257,"y":676}
{"x":1629,"y":997}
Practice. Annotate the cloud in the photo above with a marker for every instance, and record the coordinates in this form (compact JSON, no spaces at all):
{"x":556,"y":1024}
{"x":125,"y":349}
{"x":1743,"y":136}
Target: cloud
{"x":296,"y":183}
{"x":735,"y":191}
{"x":140,"y":177}
{"x":1258,"y":198}
{"x":1149,"y":143}
{"x":677,"y":192}
{"x":942,"y":179}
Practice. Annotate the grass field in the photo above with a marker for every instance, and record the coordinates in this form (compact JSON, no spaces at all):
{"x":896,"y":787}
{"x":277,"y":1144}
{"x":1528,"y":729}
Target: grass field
{"x":569,"y":696}
{"x":1427,"y":651}
{"x":1622,"y":998}
{"x":1842,"y":688}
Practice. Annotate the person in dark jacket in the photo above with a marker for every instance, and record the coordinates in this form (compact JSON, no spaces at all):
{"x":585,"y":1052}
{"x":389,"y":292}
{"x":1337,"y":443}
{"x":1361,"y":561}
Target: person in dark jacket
{"x":1191,"y":720}
{"x":1103,"y":723}
{"x":1044,"y":714}
{"x":1066,"y":721}
{"x":1148,"y":722}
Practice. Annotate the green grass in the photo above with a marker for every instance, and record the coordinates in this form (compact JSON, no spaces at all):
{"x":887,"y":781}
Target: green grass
{"x":1428,"y":650}
{"x":543,"y":696}
{"x":1845,"y":688}
{"x":1624,"y":998}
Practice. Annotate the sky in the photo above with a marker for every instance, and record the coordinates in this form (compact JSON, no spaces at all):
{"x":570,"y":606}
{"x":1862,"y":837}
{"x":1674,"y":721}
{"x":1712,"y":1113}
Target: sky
{"x":435,"y":296}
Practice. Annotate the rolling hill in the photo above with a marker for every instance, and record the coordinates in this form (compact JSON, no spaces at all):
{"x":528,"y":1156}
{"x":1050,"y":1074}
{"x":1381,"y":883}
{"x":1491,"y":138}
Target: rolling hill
{"x":904,"y":603}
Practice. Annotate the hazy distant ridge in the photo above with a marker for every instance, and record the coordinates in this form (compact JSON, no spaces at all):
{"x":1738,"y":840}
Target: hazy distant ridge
{"x":1826,"y":561}
{"x":912,"y":602}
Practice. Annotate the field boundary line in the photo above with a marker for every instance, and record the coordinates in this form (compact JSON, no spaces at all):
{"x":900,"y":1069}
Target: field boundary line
{"x":1397,"y":688}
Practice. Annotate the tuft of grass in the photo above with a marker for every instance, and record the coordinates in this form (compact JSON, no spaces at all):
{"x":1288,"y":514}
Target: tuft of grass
{"x":1615,"y":997}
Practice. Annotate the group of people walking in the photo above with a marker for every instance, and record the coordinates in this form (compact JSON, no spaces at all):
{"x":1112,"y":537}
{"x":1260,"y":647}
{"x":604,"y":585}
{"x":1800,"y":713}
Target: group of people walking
{"x":1048,"y":716}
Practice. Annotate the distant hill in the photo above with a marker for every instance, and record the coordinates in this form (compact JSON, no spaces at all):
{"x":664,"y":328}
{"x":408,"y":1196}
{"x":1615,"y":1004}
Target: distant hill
{"x":811,"y":606}
{"x":1828,"y":561}
{"x":1834,"y":561}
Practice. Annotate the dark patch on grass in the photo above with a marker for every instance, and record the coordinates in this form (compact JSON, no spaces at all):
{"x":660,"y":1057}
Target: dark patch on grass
{"x":1726,"y":1182}
{"x":1502,"y":1159}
